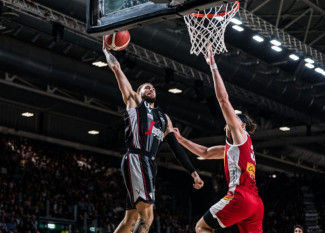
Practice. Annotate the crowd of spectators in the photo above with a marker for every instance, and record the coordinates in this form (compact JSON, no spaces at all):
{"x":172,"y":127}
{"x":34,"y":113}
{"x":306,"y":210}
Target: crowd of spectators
{"x":39,"y":181}
{"x":36,"y":176}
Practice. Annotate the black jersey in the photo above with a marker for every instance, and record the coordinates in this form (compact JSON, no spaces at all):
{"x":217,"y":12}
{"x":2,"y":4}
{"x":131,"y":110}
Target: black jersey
{"x":144,"y":128}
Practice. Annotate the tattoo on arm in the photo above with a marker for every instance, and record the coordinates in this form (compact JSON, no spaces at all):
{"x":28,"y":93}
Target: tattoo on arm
{"x":141,"y":227}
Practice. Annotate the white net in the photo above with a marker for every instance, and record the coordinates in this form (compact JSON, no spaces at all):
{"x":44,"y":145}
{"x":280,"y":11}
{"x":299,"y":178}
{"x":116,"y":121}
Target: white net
{"x":208,"y":28}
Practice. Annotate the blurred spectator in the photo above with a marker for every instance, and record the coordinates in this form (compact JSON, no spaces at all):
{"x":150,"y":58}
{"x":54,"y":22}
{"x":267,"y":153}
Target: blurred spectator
{"x":298,"y":229}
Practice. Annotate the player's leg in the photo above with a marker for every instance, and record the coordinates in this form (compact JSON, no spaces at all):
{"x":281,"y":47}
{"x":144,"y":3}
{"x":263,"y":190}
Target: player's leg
{"x":145,"y":218}
{"x":203,"y":227}
{"x":128,"y":222}
{"x":131,"y":214}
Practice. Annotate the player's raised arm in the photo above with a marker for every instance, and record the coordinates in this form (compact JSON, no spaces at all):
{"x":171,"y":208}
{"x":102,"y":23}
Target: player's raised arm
{"x":214,"y":152}
{"x":180,"y":155}
{"x":123,"y":83}
{"x":228,"y":111}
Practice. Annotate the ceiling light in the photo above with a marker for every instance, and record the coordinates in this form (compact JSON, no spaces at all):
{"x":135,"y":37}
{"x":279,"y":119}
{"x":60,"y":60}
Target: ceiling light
{"x":276,"y":48}
{"x":51,"y":226}
{"x":309,"y":65}
{"x":308,"y":60}
{"x":274,"y":176}
{"x":27,"y":114}
{"x":200,"y":158}
{"x":238,"y":28}
{"x":236,"y":21}
{"x":320,"y":70}
{"x":294,"y":57}
{"x":284,"y":128}
{"x":275,"y":42}
{"x":238,"y":111}
{"x":99,"y":64}
{"x":93,"y":132}
{"x":175,"y":90}
{"x":258,"y":38}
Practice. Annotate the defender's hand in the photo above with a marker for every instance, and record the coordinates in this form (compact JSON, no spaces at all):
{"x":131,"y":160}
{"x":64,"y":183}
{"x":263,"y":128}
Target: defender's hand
{"x":178,"y":135}
{"x":209,"y":58}
{"x":198,"y":183}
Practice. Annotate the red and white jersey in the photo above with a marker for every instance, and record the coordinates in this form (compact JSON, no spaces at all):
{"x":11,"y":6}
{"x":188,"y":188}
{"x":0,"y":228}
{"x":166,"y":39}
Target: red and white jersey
{"x":240,"y":165}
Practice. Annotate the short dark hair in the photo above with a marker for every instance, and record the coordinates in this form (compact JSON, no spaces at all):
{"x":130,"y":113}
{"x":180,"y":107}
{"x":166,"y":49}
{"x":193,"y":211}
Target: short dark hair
{"x":139,"y":88}
{"x":298,"y":226}
{"x":250,"y":125}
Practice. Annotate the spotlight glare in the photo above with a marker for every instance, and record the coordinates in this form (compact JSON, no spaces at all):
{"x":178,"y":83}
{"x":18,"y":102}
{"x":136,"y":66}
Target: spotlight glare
{"x":284,"y":128}
{"x":27,"y":114}
{"x":309,"y":65}
{"x":276,"y":48}
{"x":275,"y":42}
{"x":51,"y":226}
{"x":99,"y":64}
{"x":308,"y":60}
{"x":238,"y":111}
{"x":320,"y":70}
{"x":93,"y":132}
{"x":238,"y":28}
{"x":258,"y":38}
{"x":236,"y":21}
{"x":294,"y":57}
{"x":175,"y":90}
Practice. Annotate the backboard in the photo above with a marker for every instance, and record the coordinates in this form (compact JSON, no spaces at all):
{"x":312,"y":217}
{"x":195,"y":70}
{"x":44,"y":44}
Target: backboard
{"x":108,"y":16}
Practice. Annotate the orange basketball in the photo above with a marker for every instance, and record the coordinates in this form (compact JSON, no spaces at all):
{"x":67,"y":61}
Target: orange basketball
{"x":118,"y":41}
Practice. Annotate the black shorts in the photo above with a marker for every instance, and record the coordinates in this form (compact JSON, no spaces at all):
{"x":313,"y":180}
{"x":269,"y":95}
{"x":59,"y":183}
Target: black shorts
{"x":139,"y":173}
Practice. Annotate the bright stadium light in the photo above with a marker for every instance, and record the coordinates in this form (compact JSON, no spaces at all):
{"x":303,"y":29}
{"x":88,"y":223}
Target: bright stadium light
{"x":308,"y":60}
{"x":238,"y":28}
{"x":99,"y":64}
{"x":276,"y":48}
{"x":93,"y":132}
{"x":294,"y":57}
{"x":275,"y":42}
{"x":258,"y":38}
{"x":238,"y":111}
{"x":236,"y":21}
{"x":284,"y":128}
{"x":309,"y":65}
{"x":27,"y":114}
{"x":51,"y":226}
{"x":320,"y":70}
{"x":175,"y":90}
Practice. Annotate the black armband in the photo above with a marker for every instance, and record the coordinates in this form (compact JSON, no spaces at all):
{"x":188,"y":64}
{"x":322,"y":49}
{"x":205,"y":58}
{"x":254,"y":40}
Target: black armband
{"x":179,"y":153}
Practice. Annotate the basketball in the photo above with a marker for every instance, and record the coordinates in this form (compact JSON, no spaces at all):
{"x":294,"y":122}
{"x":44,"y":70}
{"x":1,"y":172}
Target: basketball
{"x":118,"y":41}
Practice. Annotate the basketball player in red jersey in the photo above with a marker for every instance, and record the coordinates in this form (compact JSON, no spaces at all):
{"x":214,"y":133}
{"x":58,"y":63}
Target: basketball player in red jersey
{"x":242,"y":204}
{"x":145,"y":128}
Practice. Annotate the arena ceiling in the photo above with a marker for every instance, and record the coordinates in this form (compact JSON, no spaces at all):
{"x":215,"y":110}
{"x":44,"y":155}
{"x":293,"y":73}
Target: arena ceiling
{"x":46,"y":57}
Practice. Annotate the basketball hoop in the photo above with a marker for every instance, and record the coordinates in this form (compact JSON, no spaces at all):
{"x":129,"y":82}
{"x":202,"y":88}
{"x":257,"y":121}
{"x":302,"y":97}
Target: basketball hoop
{"x":208,"y":28}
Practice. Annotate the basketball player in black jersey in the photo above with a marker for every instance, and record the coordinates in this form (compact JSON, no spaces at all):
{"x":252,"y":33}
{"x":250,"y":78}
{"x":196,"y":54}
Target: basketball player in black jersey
{"x":145,"y":128}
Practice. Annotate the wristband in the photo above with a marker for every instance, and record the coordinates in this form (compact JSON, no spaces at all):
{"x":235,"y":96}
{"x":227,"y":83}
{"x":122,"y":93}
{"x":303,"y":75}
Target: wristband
{"x":214,"y":66}
{"x":109,"y":57}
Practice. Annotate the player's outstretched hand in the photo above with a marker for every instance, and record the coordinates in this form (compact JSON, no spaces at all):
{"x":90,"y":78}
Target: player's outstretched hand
{"x":178,"y":135}
{"x":111,"y":60}
{"x":209,"y":58}
{"x":198,"y":183}
{"x":105,"y":47}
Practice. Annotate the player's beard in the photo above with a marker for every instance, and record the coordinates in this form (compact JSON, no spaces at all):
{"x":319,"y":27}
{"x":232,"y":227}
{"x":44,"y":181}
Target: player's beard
{"x":148,"y":99}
